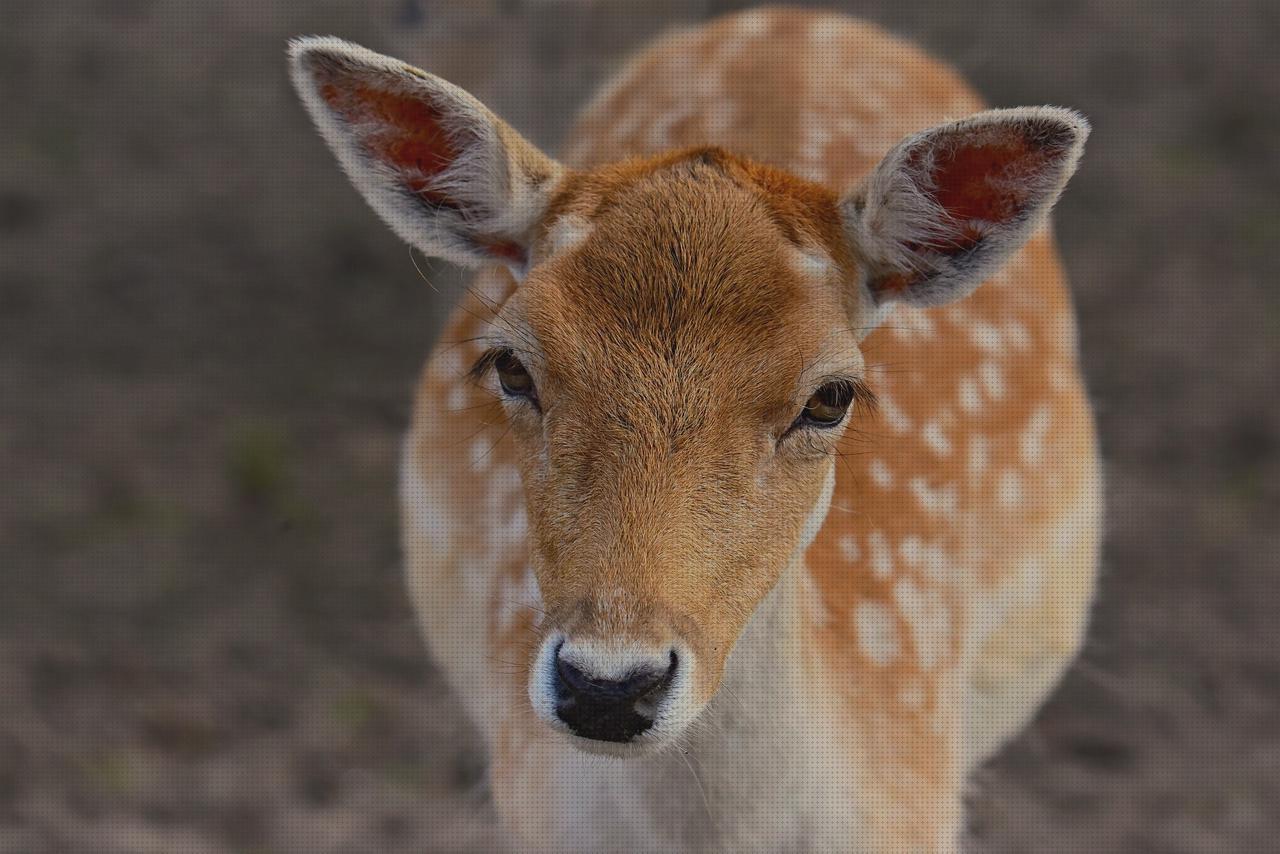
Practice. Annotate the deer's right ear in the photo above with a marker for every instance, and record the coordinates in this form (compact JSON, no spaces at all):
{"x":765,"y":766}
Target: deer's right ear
{"x":444,"y":172}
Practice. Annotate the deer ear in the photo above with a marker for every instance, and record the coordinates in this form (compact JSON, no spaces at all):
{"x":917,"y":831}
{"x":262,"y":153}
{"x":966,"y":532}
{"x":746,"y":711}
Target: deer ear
{"x":948,"y":206}
{"x":445,"y":173}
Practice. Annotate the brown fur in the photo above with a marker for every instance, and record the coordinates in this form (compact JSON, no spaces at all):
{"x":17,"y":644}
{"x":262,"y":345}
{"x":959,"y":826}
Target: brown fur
{"x":920,"y":377}
{"x":672,"y":347}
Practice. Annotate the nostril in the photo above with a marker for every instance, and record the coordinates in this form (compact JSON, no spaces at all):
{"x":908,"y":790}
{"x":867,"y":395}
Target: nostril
{"x":611,"y":709}
{"x":634,"y":685}
{"x":638,"y":682}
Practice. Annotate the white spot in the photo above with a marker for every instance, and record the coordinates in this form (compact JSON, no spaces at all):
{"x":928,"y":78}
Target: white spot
{"x":970,"y":397}
{"x":893,"y":416}
{"x":912,"y":325}
{"x":912,"y":550}
{"x":567,"y":233}
{"x":811,"y":263}
{"x":986,"y":337}
{"x":1017,"y":334}
{"x":1009,"y":490}
{"x":481,"y":453}
{"x":457,"y":398}
{"x":937,"y":441}
{"x":880,"y":473}
{"x":848,"y":546}
{"x":928,"y":618}
{"x":939,"y":567}
{"x":881,"y":555}
{"x":941,"y":501}
{"x":877,"y":632}
{"x":1031,"y":443}
{"x":992,"y":379}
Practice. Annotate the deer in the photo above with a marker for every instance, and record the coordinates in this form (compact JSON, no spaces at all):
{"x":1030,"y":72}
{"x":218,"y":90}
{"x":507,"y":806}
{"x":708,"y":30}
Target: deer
{"x":751,"y":499}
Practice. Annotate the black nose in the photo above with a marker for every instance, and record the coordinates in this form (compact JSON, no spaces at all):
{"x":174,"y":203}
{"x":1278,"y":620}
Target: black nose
{"x":609,"y":709}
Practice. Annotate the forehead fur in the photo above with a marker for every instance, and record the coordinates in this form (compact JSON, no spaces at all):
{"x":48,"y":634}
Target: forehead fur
{"x":805,"y":213}
{"x":689,"y":265}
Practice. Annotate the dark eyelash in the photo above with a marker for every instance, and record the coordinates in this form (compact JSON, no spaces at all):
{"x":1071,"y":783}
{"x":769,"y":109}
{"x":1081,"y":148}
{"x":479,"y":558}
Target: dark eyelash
{"x":862,"y":399}
{"x":485,"y":363}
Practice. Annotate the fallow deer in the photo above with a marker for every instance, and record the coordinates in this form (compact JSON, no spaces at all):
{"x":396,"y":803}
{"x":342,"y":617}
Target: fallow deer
{"x":726,"y":532}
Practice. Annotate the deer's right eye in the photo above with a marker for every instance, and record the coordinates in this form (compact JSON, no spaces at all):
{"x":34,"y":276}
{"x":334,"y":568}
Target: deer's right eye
{"x":828,"y":405}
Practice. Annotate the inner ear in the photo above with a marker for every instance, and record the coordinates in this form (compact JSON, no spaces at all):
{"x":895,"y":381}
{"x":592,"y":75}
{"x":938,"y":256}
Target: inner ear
{"x":947,"y":206}
{"x":439,"y":167}
{"x":989,"y":179}
{"x":405,"y":132}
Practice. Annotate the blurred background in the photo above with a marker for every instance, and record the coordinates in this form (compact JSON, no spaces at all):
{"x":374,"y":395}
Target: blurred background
{"x":208,"y":345}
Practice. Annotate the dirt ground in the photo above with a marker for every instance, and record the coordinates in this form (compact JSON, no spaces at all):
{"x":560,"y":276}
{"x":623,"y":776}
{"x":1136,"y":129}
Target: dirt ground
{"x":207,"y":347}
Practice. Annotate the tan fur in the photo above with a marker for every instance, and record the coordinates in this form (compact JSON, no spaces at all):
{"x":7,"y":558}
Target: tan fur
{"x":679,"y":308}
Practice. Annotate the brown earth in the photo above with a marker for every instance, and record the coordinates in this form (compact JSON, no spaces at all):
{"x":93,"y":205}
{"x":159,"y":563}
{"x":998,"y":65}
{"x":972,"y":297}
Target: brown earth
{"x":207,"y":346}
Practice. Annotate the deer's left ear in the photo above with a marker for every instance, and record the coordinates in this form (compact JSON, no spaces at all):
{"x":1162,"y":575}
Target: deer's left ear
{"x":946,"y":207}
{"x":443,"y":171}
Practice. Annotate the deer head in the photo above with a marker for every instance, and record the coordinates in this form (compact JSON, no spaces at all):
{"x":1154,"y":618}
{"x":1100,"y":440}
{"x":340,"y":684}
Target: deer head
{"x":681,"y":355}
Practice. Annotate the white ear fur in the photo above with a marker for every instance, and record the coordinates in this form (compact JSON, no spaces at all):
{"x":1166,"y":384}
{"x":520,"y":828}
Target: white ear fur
{"x":947,"y":206}
{"x":444,"y":172}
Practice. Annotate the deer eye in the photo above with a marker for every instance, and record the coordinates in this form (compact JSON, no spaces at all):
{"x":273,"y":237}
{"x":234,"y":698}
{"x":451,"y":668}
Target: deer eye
{"x":828,"y":405}
{"x":512,"y":376}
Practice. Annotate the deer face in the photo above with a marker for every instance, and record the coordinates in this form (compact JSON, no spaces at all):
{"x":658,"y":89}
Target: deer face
{"x":681,"y":356}
{"x":676,"y":371}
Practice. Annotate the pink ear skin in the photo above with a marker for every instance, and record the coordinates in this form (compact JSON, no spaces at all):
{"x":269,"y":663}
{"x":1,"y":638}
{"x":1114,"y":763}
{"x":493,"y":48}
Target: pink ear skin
{"x":993,"y":181}
{"x":398,"y":130}
{"x":984,"y":183}
{"x":446,"y":174}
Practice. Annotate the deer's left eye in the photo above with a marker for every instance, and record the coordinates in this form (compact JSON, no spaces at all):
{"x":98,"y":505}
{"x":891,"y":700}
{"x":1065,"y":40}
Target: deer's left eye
{"x":512,"y":376}
{"x":828,"y":405}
